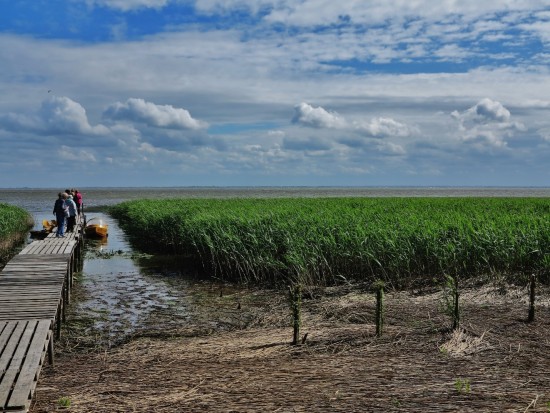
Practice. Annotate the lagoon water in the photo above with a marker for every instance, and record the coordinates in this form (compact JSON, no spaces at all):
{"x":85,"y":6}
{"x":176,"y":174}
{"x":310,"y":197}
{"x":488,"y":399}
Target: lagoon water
{"x":125,"y":293}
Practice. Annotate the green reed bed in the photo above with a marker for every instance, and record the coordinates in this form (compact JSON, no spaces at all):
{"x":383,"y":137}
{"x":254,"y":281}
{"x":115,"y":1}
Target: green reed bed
{"x":323,"y":240}
{"x":14,"y":225}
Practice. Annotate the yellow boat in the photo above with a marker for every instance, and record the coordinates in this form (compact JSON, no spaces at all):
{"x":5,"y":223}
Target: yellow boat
{"x":49,"y":225}
{"x":96,"y":230}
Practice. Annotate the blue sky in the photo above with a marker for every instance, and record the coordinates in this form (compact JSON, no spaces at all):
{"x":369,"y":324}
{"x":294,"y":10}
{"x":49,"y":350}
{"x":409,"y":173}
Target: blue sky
{"x":265,"y":92}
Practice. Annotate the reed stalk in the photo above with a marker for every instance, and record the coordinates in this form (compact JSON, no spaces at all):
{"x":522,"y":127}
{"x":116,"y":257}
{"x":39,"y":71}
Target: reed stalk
{"x":15,"y":223}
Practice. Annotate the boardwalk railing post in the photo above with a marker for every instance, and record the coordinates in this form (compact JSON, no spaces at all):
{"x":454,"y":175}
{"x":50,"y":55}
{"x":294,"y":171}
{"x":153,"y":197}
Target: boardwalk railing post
{"x":67,"y":288}
{"x":58,"y":319}
{"x":51,"y":346}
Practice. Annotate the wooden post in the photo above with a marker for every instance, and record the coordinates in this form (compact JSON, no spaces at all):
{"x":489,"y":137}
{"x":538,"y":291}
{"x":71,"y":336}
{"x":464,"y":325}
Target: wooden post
{"x":379,"y":286}
{"x":456,"y":309}
{"x":67,"y":286}
{"x":58,"y":324}
{"x":51,"y":349}
{"x":531,"y":316}
{"x":296,"y":306}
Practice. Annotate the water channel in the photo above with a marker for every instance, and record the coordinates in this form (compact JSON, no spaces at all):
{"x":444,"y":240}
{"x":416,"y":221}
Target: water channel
{"x":119,"y":294}
{"x":125,"y":293}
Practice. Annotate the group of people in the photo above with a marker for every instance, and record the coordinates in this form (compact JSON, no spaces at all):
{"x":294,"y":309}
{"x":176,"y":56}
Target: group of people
{"x":66,"y":209}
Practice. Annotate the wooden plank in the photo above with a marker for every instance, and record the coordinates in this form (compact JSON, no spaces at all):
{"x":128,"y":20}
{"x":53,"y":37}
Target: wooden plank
{"x":25,"y":385}
{"x":10,"y":346}
{"x":33,"y":285}
{"x":51,"y":246}
{"x":43,"y":311}
{"x":7,"y":330}
{"x":11,"y":358}
{"x":10,"y":289}
{"x":44,"y":263}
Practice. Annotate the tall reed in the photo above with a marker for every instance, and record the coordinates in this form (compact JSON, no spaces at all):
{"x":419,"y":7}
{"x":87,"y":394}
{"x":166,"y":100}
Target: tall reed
{"x":322,"y":240}
{"x":15,"y":223}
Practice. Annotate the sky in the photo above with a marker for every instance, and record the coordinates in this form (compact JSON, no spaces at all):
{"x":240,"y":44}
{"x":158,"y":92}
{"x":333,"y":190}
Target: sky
{"x":274,"y":93}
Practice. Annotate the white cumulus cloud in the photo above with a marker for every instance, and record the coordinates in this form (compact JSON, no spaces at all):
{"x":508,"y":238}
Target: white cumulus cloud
{"x":318,"y":117}
{"x":492,"y":110}
{"x":486,"y":124}
{"x":381,"y":127}
{"x":486,"y":110}
{"x":65,"y":115}
{"x":57,"y":115}
{"x":160,"y":116}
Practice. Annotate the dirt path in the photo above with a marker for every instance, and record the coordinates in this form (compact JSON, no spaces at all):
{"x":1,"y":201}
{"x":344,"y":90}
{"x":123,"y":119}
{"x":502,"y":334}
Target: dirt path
{"x":498,"y":363}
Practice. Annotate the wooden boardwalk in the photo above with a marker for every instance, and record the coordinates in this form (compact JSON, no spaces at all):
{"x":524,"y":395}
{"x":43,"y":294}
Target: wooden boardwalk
{"x":35,"y":287}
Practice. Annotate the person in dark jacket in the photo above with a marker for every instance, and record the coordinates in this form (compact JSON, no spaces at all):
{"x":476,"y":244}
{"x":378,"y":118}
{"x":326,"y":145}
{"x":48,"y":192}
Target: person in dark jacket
{"x":59,"y":209}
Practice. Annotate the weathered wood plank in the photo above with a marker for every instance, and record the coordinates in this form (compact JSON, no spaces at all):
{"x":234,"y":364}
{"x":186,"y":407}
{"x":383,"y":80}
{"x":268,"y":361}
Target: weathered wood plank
{"x":34,"y":286}
{"x":11,"y":358}
{"x":25,"y":385}
{"x":5,"y":334}
{"x":10,"y":347}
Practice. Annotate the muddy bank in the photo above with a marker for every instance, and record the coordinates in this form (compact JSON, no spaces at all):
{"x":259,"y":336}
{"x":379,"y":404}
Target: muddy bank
{"x":498,"y":362}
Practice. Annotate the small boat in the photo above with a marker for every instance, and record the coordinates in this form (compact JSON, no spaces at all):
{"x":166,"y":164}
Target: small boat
{"x":48,"y":226}
{"x":96,"y":230}
{"x":39,"y":234}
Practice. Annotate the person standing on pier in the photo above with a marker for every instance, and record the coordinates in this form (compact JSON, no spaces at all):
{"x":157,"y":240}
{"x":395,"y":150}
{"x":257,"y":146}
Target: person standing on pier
{"x":78,"y":200}
{"x":71,"y":219}
{"x":59,"y":209}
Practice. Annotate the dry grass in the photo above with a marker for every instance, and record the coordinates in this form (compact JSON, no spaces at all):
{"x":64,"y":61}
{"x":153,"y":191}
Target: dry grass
{"x":343,"y":367}
{"x":461,"y":343}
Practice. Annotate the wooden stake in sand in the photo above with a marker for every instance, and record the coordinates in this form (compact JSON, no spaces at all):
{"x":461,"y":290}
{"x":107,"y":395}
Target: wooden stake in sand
{"x":379,"y":288}
{"x":296,"y":306}
{"x":456,"y":308}
{"x":532,"y":284}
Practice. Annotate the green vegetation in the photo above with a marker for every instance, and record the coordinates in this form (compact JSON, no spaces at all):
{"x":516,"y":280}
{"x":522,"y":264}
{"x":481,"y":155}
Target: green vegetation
{"x":325,"y":240}
{"x":462,"y":385}
{"x":449,"y":301}
{"x":64,"y":402}
{"x":14,"y":225}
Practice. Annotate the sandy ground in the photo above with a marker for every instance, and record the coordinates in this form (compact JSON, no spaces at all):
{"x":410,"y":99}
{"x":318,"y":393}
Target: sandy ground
{"x":495,"y":363}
